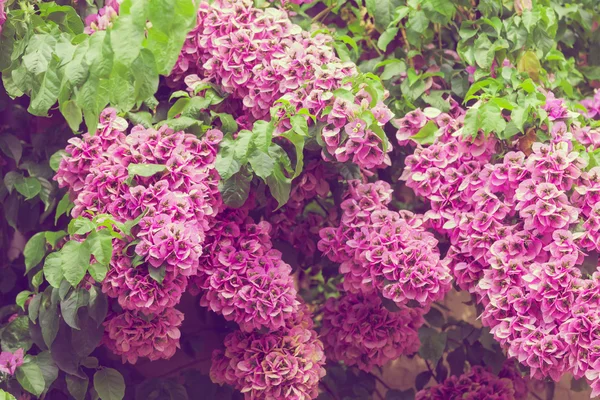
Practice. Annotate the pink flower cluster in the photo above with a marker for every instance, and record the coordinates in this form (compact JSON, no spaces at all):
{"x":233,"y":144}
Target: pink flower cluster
{"x":132,"y":335}
{"x":9,"y":362}
{"x":519,"y":227}
{"x":176,"y":202}
{"x":592,"y":106}
{"x":260,"y":57}
{"x":284,"y":364}
{"x":384,"y":251}
{"x":104,"y":18}
{"x":2,"y":14}
{"x":478,"y":384}
{"x":243,"y":277}
{"x":359,"y":330}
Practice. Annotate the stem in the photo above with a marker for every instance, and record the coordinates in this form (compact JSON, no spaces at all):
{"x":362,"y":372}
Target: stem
{"x":379,"y":394}
{"x":411,"y":62}
{"x":431,"y":371}
{"x":536,"y":396}
{"x":439,"y":32}
{"x":373,"y":45}
{"x":382,"y":382}
{"x":323,"y":13}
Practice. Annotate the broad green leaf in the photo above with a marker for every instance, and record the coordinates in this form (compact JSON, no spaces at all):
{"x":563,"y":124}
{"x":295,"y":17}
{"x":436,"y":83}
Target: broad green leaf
{"x":22,"y":298}
{"x":53,"y":269}
{"x":262,"y":134}
{"x":262,"y":163}
{"x":75,"y":257}
{"x":433,"y":344}
{"x":98,"y":305}
{"x":77,"y":386}
{"x":11,"y":146}
{"x":128,"y":31}
{"x":98,"y":271}
{"x":386,"y":38}
{"x":11,"y":178}
{"x":28,"y":187}
{"x":34,"y":250}
{"x":227,"y":163}
{"x":48,"y":318}
{"x":80,"y":226}
{"x":6,"y":396}
{"x":158,"y":274}
{"x":71,"y":304}
{"x":145,"y":170}
{"x":31,"y":378}
{"x":228,"y":124}
{"x":109,"y":384}
{"x":56,"y":158}
{"x":64,"y":206}
{"x":45,"y":93}
{"x":530,"y":64}
{"x":236,"y":189}
{"x":53,"y":237}
{"x":298,"y":142}
{"x":100,"y":245}
{"x":382,"y":11}
{"x":279,"y":185}
{"x":171,"y":20}
{"x":15,"y":335}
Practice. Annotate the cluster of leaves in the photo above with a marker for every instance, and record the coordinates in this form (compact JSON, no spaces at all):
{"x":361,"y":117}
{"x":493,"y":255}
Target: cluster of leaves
{"x":46,"y":55}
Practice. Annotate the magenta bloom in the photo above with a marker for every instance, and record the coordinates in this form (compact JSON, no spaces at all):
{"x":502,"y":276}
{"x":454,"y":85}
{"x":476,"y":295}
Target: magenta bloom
{"x":384,"y":251}
{"x":284,"y":364}
{"x":2,"y":14}
{"x":478,"y":384}
{"x":359,"y":330}
{"x":133,"y":335}
{"x":9,"y":362}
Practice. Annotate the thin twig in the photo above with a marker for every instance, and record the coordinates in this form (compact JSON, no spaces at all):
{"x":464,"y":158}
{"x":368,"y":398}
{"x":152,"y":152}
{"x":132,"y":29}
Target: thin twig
{"x":431,"y":371}
{"x":323,"y":13}
{"x":411,"y":62}
{"x":536,"y":396}
{"x":373,"y":45}
{"x":379,"y":394}
{"x":382,"y":382}
{"x":185,"y":366}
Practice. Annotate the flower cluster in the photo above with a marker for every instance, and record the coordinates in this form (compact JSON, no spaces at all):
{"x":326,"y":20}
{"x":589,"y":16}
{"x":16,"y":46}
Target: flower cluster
{"x":478,"y":384}
{"x":132,"y":334}
{"x":175,"y":202}
{"x":260,"y":57}
{"x":383,"y":250}
{"x":9,"y":362}
{"x":104,"y":18}
{"x":359,"y":330}
{"x":2,"y":14}
{"x":243,"y":277}
{"x":519,"y":226}
{"x":284,"y":364}
{"x":592,"y":106}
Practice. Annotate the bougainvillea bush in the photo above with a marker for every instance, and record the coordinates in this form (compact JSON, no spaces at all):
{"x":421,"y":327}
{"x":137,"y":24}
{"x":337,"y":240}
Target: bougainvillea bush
{"x":328,"y":199}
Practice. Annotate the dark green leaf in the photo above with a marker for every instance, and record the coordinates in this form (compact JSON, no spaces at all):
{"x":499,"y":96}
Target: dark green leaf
{"x":22,"y":298}
{"x":433,"y":344}
{"x":77,"y":386}
{"x":109,"y":384}
{"x":158,"y":274}
{"x":28,"y":187}
{"x":235,"y":190}
{"x":145,"y":170}
{"x":98,"y":305}
{"x":16,"y":336}
{"x":34,"y":250}
{"x":71,"y":304}
{"x":11,"y":146}
{"x":422,"y":379}
{"x":30,"y":377}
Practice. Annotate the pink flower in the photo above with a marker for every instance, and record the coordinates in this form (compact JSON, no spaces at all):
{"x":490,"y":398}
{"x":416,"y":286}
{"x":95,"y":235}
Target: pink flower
{"x":9,"y":362}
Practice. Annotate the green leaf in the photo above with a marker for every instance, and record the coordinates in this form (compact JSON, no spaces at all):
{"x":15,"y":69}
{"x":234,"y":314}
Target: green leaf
{"x":6,"y":396}
{"x":422,"y":379}
{"x":299,"y":125}
{"x":11,"y":178}
{"x":228,"y":124}
{"x":158,"y":274}
{"x":128,"y":31}
{"x":491,"y":119}
{"x":11,"y":146}
{"x":34,"y":250}
{"x":45,"y":92}
{"x":530,"y":64}
{"x":382,"y":11}
{"x":31,"y":379}
{"x":109,"y":384}
{"x":71,"y":304}
{"x":261,"y":163}
{"x":64,"y":207}
{"x":433,"y":344}
{"x":171,"y":20}
{"x":579,"y":385}
{"x":435,"y":318}
{"x":56,"y":158}
{"x":98,"y":305}
{"x":262,"y":133}
{"x":484,"y":56}
{"x":386,"y":38}
{"x":75,"y":258}
{"x":48,"y":316}
{"x":298,"y":142}
{"x":81,"y":226}
{"x":98,"y":271}
{"x":236,"y":189}
{"x":53,"y":269}
{"x":227,"y":163}
{"x":100,"y":245}
{"x":34,"y":307}
{"x":426,"y":134}
{"x":22,"y":298}
{"x":16,"y":335}
{"x":145,"y":170}
{"x":279,"y":185}
{"x":456,"y":359}
{"x":28,"y":187}
{"x":77,"y":386}
{"x":53,"y":237}
{"x":518,"y":116}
